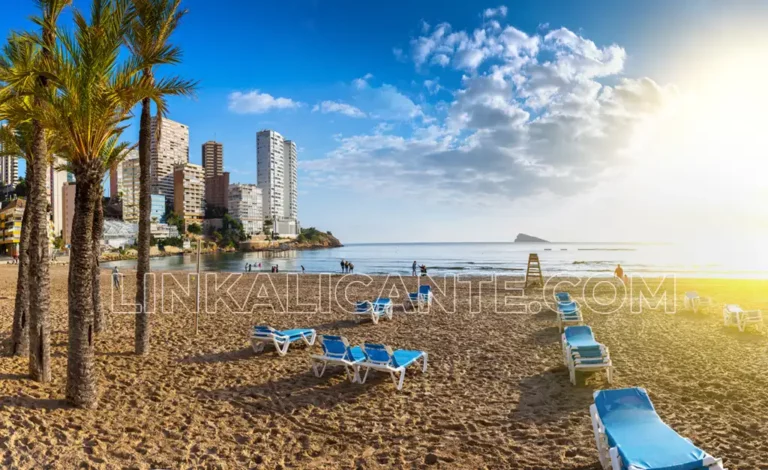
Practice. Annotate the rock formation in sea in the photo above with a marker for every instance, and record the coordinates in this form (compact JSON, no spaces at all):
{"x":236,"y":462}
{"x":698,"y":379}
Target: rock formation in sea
{"x":523,"y":238}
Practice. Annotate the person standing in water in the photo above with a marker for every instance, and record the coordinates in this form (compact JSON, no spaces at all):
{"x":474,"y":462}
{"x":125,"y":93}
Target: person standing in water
{"x":619,"y":272}
{"x":413,"y":268}
{"x":342,"y":266}
{"x":302,"y":269}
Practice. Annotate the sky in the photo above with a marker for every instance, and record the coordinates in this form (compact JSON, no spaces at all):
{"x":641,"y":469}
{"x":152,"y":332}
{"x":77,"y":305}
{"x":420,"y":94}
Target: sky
{"x":473,"y":121}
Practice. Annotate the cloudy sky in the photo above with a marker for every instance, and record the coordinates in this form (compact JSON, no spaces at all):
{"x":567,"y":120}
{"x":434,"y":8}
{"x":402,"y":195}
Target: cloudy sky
{"x":465,"y":121}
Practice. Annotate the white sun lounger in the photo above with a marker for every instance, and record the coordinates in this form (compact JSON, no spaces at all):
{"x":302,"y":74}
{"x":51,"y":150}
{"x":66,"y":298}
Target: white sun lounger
{"x":568,"y":313}
{"x":382,"y":358}
{"x":630,"y":435}
{"x":263,"y":335}
{"x":734,"y":315}
{"x":336,"y":351}
{"x":693,"y":301}
{"x":581,"y":353}
{"x":421,"y":298}
{"x":379,"y":308}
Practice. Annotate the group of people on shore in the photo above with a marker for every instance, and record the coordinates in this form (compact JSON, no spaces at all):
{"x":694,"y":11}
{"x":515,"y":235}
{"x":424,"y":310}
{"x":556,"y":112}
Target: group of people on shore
{"x":249,"y":267}
{"x":422,"y":269}
{"x":347,"y":267}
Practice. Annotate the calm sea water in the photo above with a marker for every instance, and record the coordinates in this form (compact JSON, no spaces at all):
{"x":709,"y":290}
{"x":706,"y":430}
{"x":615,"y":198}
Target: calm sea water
{"x":590,"y":259}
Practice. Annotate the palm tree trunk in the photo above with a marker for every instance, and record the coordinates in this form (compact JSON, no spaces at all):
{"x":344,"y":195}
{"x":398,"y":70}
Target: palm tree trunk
{"x":98,"y":229}
{"x":81,"y":372}
{"x":142,"y":332}
{"x":39,"y":277}
{"x":20,"y":334}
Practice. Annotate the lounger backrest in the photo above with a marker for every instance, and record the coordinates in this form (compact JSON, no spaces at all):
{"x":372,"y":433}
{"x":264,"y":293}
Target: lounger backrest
{"x":263,"y":330}
{"x":580,"y":331}
{"x":378,"y":353}
{"x":563,"y":297}
{"x":425,"y":289}
{"x":334,"y":346}
{"x":624,"y":404}
{"x":568,"y":306}
{"x":363,"y":306}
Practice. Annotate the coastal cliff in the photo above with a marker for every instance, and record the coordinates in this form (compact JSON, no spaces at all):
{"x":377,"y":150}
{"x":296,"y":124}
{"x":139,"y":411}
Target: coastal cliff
{"x":523,"y":238}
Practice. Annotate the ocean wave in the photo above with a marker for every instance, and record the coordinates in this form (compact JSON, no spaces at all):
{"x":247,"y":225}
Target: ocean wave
{"x":607,"y":249}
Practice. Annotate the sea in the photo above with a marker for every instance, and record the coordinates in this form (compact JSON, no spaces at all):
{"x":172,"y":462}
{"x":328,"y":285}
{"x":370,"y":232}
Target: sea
{"x":734,"y":260}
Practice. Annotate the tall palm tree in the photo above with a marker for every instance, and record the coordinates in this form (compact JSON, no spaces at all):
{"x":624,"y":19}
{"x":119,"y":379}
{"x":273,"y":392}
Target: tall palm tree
{"x":148,"y":39}
{"x":95,"y":92}
{"x":40,"y":277}
{"x":21,"y":91}
{"x":17,"y":143}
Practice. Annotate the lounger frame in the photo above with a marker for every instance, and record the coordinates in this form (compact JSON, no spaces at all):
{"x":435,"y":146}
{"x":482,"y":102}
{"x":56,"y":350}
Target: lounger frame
{"x":575,"y":363}
{"x":743,"y":318}
{"x":396,"y":373}
{"x":693,"y":301}
{"x":609,"y":456}
{"x":569,"y":318}
{"x":375,"y":311}
{"x":350,"y":367}
{"x":280,"y":342}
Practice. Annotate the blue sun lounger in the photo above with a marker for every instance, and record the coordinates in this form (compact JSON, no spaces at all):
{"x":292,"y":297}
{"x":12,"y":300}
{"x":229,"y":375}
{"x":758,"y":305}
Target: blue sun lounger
{"x":581,"y":353}
{"x":263,"y":335}
{"x":568,"y":313}
{"x":563,"y":297}
{"x":336,"y":351}
{"x":379,"y":308}
{"x":630,"y":435}
{"x":382,"y":358}
{"x":422,"y":297}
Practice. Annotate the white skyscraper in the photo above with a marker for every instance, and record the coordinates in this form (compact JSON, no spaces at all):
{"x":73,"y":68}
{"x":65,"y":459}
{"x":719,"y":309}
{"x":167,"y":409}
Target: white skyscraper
{"x":56,"y":179}
{"x":172,"y":149}
{"x":129,"y":186}
{"x":290,"y":209}
{"x":276,"y":165}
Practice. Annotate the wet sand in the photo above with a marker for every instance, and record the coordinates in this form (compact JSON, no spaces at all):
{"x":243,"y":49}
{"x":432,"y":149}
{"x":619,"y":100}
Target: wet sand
{"x":496,"y":394}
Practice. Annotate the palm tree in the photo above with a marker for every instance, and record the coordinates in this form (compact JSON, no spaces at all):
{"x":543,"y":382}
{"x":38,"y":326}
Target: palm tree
{"x":40,"y":277}
{"x":148,"y":40}
{"x":95,"y":92}
{"x":21,"y":93}
{"x":17,"y":143}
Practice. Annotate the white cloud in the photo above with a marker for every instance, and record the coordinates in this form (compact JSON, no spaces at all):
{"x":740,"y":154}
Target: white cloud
{"x":362,"y":82}
{"x":533,"y":120}
{"x":254,"y":102}
{"x":491,"y":12}
{"x":338,"y":107}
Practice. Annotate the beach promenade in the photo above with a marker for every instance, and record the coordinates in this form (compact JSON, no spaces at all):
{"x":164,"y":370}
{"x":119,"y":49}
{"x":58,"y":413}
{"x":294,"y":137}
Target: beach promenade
{"x":496,"y":394}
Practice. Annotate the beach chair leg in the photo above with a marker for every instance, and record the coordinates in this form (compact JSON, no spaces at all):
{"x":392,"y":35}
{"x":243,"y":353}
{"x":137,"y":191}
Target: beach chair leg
{"x":282,"y":349}
{"x":351,"y":374}
{"x":364,"y":377}
{"x":424,"y":360}
{"x":311,"y":340}
{"x":610,"y":374}
{"x":602,"y":453}
{"x":398,"y":381}
{"x":316,"y":365}
{"x":615,"y":458}
{"x":375,"y":318}
{"x":572,"y":373}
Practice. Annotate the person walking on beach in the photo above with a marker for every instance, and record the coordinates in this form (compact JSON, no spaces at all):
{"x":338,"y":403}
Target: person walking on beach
{"x":350,"y":267}
{"x":342,"y":266}
{"x":413,"y":268}
{"x":302,"y":269}
{"x":423,"y":270}
{"x":116,"y":277}
{"x":619,"y":272}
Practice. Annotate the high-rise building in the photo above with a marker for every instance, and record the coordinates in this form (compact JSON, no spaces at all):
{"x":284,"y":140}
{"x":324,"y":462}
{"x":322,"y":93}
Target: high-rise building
{"x":189,"y":187}
{"x":213,"y":158}
{"x":68,"y":210}
{"x":171,"y":149}
{"x":217,"y":191}
{"x":276,"y":175}
{"x":116,"y":173}
{"x":56,"y":179}
{"x":10,"y":226}
{"x":9,"y":170}
{"x":245,"y":205}
{"x":129,"y":187}
{"x":156,"y":208}
{"x":290,"y":194}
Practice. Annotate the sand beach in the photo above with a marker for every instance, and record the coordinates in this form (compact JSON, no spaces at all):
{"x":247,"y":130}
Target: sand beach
{"x":496,"y":394}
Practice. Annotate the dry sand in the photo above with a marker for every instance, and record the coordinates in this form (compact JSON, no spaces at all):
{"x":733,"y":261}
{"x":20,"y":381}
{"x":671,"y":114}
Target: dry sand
{"x":496,"y":394}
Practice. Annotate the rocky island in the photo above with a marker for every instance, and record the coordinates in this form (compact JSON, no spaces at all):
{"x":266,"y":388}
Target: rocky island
{"x":523,"y":238}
